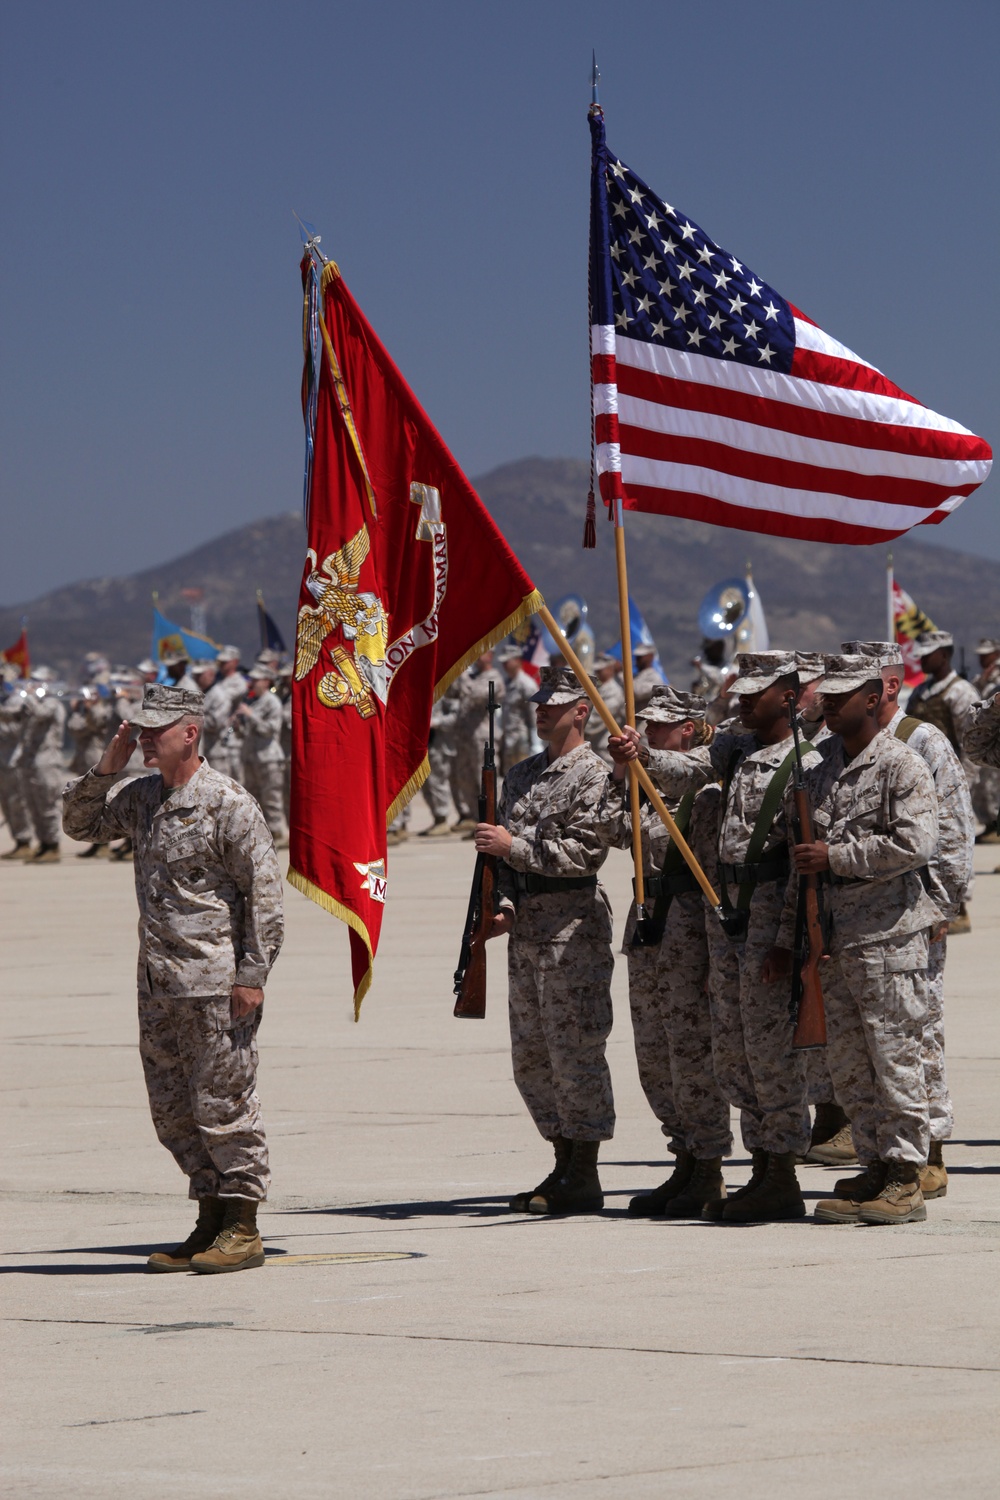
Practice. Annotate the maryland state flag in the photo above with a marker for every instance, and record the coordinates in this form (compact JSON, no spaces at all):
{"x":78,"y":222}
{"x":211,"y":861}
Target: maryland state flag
{"x":908,"y":622}
{"x":17,"y":655}
{"x":406,"y":581}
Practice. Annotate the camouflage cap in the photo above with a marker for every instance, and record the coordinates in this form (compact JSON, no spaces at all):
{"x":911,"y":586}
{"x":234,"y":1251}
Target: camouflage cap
{"x":147,"y":665}
{"x":558,"y":685}
{"x":644,"y":648}
{"x":228,"y":653}
{"x":847,"y":673}
{"x":510,"y":651}
{"x":174,"y":658}
{"x":667,"y":705}
{"x":986,"y":647}
{"x":932,"y":640}
{"x":809,"y":665}
{"x":605,"y":659}
{"x":886,"y":653}
{"x":760,"y":669}
{"x":261,"y":671}
{"x":163,"y":705}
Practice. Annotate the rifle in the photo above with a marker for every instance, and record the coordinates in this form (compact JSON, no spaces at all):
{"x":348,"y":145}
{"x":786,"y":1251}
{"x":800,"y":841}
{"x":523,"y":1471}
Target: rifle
{"x":470,"y":976}
{"x":810,"y":927}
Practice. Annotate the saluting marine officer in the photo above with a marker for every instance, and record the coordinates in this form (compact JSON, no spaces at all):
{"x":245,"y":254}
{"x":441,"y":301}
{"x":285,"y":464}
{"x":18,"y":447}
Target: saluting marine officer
{"x":559,"y":957}
{"x":210,"y":927}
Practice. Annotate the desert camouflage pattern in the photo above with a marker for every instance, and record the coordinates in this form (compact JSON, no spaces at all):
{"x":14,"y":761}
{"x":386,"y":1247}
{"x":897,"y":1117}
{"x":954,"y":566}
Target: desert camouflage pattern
{"x":90,"y":725}
{"x":950,"y":868}
{"x":43,"y":767}
{"x":879,"y":815}
{"x":12,"y":800}
{"x":595,"y":730}
{"x":264,"y":760}
{"x":982,"y":741}
{"x":875,"y":1020}
{"x":951,"y":701}
{"x":206,"y":877}
{"x":559,"y":956}
{"x":201,"y":1068}
{"x":441,"y":756}
{"x":930,"y":989}
{"x":471,"y":729}
{"x":644,"y":684}
{"x":517,"y":719}
{"x":220,"y":740}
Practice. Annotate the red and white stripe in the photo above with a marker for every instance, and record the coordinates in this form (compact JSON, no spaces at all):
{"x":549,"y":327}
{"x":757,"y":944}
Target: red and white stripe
{"x":832,"y":452}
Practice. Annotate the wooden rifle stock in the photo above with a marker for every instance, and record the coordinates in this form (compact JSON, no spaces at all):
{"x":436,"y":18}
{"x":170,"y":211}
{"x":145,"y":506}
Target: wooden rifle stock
{"x":807,"y":990}
{"x":470,"y":976}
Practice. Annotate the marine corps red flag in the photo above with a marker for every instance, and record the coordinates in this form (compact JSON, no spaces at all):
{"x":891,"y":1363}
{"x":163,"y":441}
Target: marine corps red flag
{"x":406,"y":581}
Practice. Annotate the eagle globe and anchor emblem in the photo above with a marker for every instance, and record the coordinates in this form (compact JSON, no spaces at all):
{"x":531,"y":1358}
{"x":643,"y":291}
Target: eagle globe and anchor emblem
{"x":355,"y":678}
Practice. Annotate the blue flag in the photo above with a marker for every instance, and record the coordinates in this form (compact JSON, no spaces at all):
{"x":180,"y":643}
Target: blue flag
{"x":168,"y":637}
{"x":641,"y":636}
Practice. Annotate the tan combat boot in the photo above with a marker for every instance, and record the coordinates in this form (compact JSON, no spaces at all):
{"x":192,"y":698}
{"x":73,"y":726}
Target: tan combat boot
{"x":830,"y":1120}
{"x":21,"y":850}
{"x":704,"y":1186}
{"x":716,"y":1207}
{"x":564,"y":1150}
{"x":839,"y":1151}
{"x":580,"y":1191}
{"x":933,"y":1177}
{"x":46,"y":854}
{"x":776,"y":1197}
{"x":960,"y":924}
{"x":652,"y":1205}
{"x":849,"y":1194}
{"x":900,"y":1201}
{"x":237,"y":1246}
{"x":210,"y":1212}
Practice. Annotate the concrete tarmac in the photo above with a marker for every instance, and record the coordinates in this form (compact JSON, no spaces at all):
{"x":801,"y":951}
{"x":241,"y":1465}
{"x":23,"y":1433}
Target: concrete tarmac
{"x":410,"y":1338}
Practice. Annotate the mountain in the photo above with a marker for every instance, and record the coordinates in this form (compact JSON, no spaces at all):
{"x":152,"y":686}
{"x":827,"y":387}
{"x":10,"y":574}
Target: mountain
{"x":814,"y":595}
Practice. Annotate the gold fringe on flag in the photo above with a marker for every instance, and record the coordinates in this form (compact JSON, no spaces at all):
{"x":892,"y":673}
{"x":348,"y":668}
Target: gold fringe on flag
{"x":336,"y":909}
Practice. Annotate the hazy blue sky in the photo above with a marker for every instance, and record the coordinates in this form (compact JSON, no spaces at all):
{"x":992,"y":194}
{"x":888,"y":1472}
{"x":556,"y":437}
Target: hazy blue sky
{"x":153,"y":155}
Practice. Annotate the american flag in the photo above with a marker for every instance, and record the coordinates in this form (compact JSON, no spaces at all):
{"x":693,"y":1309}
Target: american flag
{"x":717,"y":400}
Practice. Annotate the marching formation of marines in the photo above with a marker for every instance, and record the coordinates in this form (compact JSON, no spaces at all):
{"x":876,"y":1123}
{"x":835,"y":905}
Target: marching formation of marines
{"x":199,"y":802}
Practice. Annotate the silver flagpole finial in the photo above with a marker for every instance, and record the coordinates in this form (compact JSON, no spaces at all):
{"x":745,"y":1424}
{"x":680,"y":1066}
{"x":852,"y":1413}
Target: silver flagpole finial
{"x":595,"y":78}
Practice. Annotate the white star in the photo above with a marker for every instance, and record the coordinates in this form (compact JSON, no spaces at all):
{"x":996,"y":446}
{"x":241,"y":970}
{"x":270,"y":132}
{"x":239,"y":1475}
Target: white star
{"x":666,"y":287}
{"x":669,"y":246}
{"x":715,"y":322}
{"x":670,"y":208}
{"x":621,"y":319}
{"x":645,"y":303}
{"x":722,"y":280}
{"x":635,"y":195}
{"x":700,"y":296}
{"x":616,"y":251}
{"x":736,"y":304}
{"x":634,"y":237}
{"x":756,"y":287}
{"x":618,"y":211}
{"x":695,"y":336}
{"x":631,"y":277}
{"x":659,"y":328}
{"x":735,"y":265}
{"x":705,"y":255}
{"x":680,"y":312}
{"x":684,"y":271}
{"x":654,"y":221}
{"x":752,"y":329}
{"x":618,"y":169}
{"x":650,"y":261}
{"x":770,"y":310}
{"x":729,"y":347}
{"x":687,"y":231}
{"x":766,"y":353}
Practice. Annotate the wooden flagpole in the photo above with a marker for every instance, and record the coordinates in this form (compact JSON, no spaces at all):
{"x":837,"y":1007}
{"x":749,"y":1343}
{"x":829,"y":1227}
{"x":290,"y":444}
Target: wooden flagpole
{"x":640,"y":772}
{"x":625,"y":620}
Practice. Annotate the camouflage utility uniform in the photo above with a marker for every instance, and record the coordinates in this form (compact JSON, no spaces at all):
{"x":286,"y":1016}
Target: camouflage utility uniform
{"x":90,"y":726}
{"x":948,"y":704}
{"x":221,"y":745}
{"x":596,"y":731}
{"x":983,"y":737}
{"x":878,"y":815}
{"x":949,"y":880}
{"x":472,"y":696}
{"x":210,"y":916}
{"x":559,"y":956}
{"x":986,"y":792}
{"x":668,"y":982}
{"x":43,"y":765}
{"x":12,"y":799}
{"x":751,"y":1027}
{"x":264,"y":760}
{"x":517,"y":719}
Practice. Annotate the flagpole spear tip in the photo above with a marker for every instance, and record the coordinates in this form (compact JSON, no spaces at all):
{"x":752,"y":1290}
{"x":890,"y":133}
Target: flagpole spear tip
{"x":595,"y":78}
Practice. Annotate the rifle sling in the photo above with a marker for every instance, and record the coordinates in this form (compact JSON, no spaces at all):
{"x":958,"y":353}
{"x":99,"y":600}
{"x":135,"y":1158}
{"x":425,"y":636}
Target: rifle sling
{"x":905,"y":728}
{"x":761,"y":828}
{"x":666,"y":885}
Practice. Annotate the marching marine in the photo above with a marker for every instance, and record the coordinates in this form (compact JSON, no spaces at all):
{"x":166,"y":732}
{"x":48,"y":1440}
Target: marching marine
{"x":646,"y":678}
{"x":43,"y":766}
{"x":210,"y":927}
{"x":605,"y":676}
{"x":517,"y":713}
{"x":261,"y":720}
{"x":943,"y":698}
{"x":559,"y":960}
{"x":221,"y":747}
{"x":472,"y":696}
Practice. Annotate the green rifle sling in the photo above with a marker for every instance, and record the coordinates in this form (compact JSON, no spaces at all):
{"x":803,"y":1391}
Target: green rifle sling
{"x":761,"y":828}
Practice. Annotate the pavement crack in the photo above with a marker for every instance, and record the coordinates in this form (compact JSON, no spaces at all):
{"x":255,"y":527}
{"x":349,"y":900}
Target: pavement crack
{"x":155,"y":1416}
{"x":458,"y":1338}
